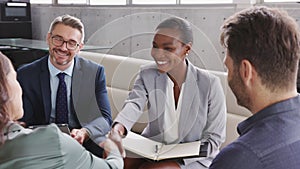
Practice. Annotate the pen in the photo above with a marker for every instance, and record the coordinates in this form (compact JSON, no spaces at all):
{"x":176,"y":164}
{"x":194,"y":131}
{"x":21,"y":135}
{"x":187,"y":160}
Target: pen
{"x":156,"y":149}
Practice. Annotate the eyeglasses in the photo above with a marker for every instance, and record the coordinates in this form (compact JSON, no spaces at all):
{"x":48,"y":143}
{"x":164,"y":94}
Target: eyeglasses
{"x":59,"y":41}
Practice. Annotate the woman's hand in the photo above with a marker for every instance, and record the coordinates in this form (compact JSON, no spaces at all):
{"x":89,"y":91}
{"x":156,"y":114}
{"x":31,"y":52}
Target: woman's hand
{"x":113,"y":144}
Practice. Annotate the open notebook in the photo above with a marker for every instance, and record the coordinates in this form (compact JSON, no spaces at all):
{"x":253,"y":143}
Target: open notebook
{"x":153,"y":150}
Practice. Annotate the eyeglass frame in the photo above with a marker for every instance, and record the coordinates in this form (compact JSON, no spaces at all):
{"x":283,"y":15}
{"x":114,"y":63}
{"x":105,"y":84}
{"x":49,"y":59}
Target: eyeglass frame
{"x":63,"y":42}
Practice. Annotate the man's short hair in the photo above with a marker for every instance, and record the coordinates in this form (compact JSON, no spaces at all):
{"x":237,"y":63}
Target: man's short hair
{"x":269,"y":39}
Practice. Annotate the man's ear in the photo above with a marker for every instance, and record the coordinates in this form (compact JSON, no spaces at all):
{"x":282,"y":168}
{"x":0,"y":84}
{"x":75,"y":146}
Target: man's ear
{"x":247,"y":72}
{"x":80,"y":46}
{"x":48,"y":38}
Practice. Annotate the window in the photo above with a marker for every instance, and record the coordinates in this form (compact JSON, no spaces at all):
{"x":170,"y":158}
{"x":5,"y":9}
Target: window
{"x":41,"y":1}
{"x":72,"y":2}
{"x":153,"y":2}
{"x":139,"y":2}
{"x":107,"y":2}
{"x":205,"y":1}
{"x":281,"y":0}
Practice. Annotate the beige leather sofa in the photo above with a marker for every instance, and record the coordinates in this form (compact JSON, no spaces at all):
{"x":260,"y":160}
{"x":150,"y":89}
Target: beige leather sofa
{"x":121,"y":73}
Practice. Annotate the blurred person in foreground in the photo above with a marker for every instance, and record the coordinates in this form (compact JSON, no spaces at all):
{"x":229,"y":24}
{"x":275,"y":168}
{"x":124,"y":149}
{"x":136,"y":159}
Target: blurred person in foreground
{"x":44,"y":147}
{"x":262,"y":56}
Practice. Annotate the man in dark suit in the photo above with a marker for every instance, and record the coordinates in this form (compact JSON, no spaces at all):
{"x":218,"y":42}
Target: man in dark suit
{"x":86,"y":106}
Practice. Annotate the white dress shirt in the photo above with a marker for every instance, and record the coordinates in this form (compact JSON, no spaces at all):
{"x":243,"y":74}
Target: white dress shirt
{"x":54,"y":86}
{"x":171,"y":116}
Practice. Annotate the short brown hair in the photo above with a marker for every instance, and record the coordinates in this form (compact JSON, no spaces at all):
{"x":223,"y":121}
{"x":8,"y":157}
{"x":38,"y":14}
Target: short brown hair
{"x":269,"y":39}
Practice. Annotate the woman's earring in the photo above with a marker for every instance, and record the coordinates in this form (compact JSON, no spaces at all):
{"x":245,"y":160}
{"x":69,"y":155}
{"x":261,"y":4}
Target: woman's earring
{"x":187,"y":53}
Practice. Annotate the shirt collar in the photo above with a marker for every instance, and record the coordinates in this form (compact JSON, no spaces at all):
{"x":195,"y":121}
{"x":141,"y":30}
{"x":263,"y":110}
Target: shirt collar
{"x":54,"y":71}
{"x":276,"y":108}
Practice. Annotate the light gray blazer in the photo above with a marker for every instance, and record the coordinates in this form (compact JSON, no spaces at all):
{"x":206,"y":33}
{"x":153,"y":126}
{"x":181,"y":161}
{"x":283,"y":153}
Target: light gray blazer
{"x":47,"y":147}
{"x":203,"y":113}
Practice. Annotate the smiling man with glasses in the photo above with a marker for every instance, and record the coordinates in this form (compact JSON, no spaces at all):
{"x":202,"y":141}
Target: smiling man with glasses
{"x":59,"y":41}
{"x":64,"y":88}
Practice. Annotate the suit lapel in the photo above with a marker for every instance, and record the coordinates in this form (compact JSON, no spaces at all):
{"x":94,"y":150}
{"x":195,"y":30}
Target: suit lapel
{"x":76,"y":81}
{"x":187,"y":117}
{"x":160,"y":97}
{"x":45,"y":87}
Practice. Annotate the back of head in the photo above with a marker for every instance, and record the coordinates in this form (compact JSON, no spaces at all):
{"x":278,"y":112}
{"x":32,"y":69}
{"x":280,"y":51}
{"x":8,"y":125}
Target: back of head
{"x":269,"y":39}
{"x":182,"y":25}
{"x":68,"y":21}
{"x":4,"y":116}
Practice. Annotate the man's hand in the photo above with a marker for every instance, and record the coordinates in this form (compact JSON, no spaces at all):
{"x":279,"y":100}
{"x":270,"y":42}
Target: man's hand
{"x":116,"y":137}
{"x":80,"y":135}
{"x":113,"y":144}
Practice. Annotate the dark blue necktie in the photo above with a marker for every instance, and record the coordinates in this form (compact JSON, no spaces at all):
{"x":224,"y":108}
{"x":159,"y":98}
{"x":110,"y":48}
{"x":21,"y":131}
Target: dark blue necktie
{"x":61,"y":116}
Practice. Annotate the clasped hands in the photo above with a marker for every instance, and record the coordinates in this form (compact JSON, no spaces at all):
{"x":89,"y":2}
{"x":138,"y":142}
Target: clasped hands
{"x":113,"y":143}
{"x":80,"y":135}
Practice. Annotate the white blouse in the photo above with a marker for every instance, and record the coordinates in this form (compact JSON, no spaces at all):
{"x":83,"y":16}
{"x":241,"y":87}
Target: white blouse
{"x":171,"y":115}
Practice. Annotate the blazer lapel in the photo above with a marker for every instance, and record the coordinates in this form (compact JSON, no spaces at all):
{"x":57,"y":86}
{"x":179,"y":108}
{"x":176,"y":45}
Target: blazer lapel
{"x":187,"y":116}
{"x":76,"y":82}
{"x":160,"y":97}
{"x":45,"y":87}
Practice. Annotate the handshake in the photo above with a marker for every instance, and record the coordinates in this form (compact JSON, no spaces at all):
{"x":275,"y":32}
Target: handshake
{"x":113,"y":144}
